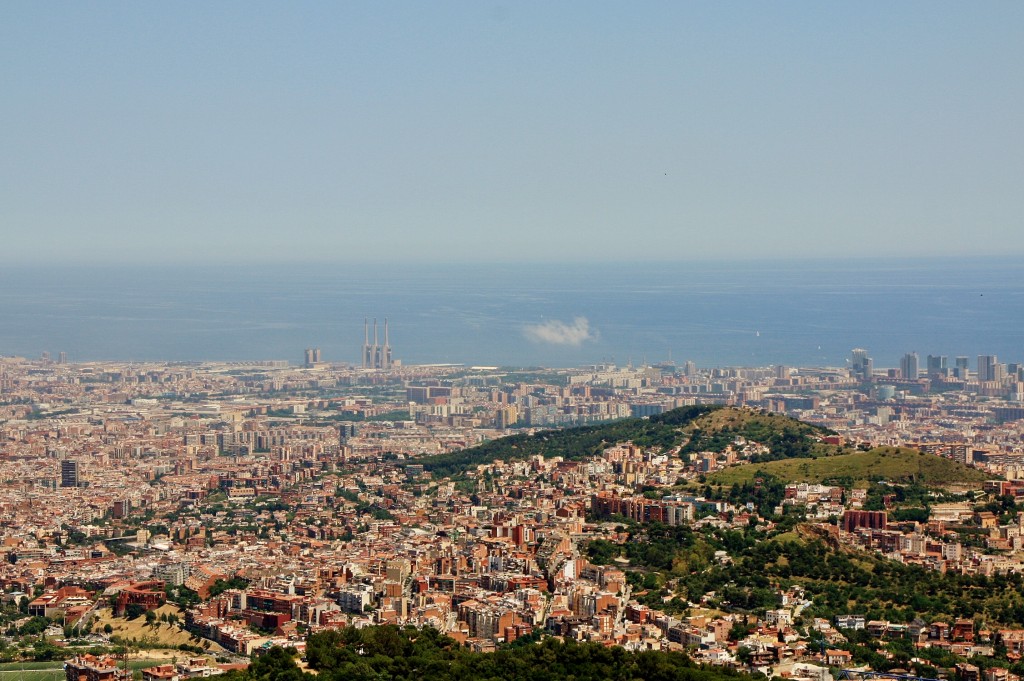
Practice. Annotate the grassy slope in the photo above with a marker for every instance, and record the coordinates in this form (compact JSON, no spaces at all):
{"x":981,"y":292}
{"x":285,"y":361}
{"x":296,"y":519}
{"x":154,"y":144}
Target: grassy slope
{"x":889,"y":463}
{"x":739,"y":420}
{"x":51,"y":671}
{"x":158,"y":635}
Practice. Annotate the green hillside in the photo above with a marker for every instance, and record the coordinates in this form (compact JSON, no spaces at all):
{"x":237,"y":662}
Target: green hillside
{"x":678,"y":563}
{"x":692,"y":429}
{"x":796,"y":451}
{"x":883,"y":463}
{"x":663,"y":430}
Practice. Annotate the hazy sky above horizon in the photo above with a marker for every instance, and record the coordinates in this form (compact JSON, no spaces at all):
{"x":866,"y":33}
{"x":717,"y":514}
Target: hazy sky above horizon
{"x":331,"y":131}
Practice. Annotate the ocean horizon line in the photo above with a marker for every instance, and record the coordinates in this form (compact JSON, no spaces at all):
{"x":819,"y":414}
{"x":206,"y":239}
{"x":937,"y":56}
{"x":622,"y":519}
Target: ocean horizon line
{"x":717,"y":261}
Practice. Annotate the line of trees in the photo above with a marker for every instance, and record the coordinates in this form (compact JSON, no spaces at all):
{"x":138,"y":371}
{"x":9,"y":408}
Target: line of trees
{"x":388,"y":652}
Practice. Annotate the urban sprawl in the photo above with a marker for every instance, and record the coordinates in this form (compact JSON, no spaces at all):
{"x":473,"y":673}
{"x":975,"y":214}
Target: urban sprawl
{"x":238,"y":506}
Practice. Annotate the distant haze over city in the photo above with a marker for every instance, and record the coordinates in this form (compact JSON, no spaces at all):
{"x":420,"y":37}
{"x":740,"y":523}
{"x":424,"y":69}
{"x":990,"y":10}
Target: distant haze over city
{"x":796,"y":313}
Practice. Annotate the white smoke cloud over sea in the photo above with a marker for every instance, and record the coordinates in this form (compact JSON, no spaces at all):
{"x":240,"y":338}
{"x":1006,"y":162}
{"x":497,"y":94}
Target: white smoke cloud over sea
{"x":557,"y":332}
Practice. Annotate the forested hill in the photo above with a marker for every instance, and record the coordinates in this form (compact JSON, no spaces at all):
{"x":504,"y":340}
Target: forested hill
{"x":786,"y":437}
{"x":696,"y":428}
{"x":839,"y":580}
{"x":388,"y":652}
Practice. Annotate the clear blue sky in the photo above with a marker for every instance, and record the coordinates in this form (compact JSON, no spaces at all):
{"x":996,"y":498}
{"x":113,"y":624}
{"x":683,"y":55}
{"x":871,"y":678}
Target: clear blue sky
{"x":334,"y":131}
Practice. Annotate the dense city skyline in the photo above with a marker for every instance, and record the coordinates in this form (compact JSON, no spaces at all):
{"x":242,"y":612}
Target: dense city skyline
{"x":264,"y":505}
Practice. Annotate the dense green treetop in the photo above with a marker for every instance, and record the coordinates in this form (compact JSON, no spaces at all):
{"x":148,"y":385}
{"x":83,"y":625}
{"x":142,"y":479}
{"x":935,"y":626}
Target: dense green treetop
{"x":388,"y":652}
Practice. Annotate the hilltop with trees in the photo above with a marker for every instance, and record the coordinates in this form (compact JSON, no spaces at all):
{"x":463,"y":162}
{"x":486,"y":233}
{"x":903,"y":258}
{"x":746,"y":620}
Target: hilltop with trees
{"x":686,"y":430}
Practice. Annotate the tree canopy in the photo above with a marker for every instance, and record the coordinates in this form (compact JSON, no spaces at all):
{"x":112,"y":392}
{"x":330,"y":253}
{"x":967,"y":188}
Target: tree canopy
{"x":388,"y":652}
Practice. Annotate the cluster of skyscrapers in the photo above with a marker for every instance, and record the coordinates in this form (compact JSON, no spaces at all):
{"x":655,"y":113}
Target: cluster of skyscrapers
{"x":861,"y":365}
{"x":937,"y":366}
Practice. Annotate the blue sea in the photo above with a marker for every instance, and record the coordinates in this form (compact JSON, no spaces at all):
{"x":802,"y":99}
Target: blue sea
{"x":797,"y":313}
